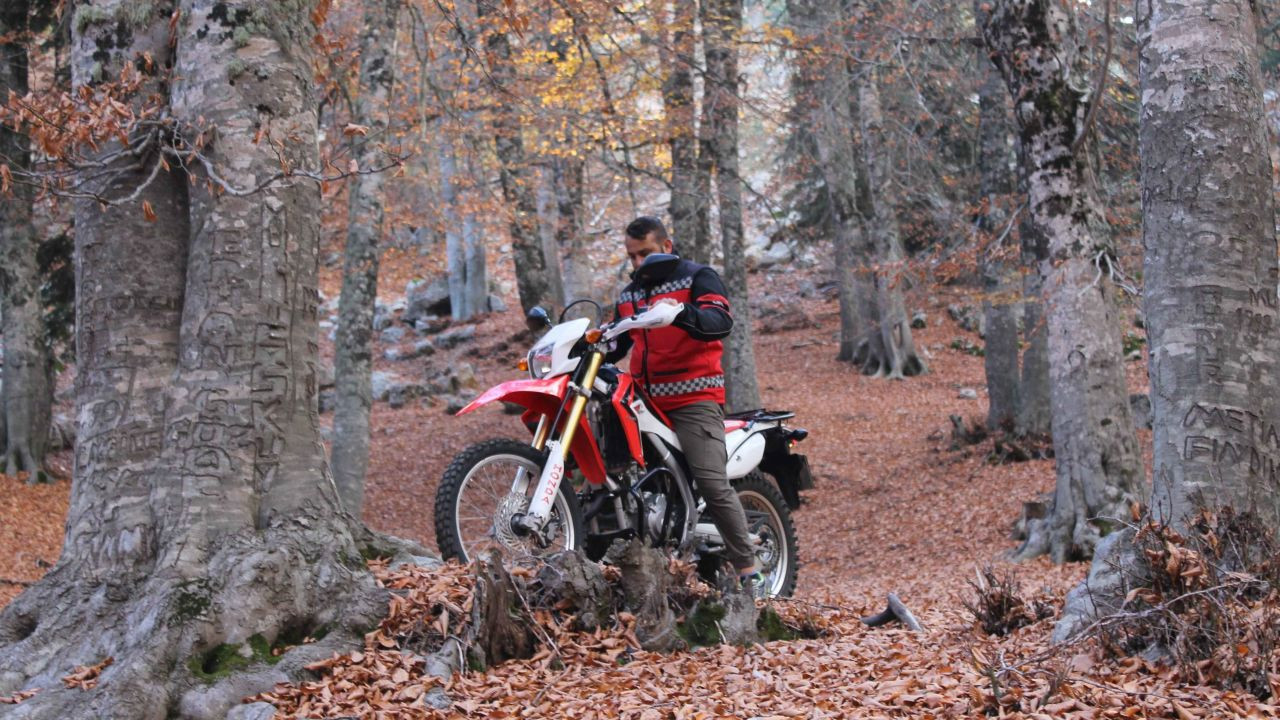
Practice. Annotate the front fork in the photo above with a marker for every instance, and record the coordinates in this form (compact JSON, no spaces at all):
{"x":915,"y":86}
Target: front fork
{"x":534,"y":519}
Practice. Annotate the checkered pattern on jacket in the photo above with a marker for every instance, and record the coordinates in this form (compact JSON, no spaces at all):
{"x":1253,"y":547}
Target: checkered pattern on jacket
{"x":684,"y":387}
{"x":667,"y":287}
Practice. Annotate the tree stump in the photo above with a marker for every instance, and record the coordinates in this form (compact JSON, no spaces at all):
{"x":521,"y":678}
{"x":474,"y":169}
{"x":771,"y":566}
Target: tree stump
{"x":500,"y":630}
{"x":645,"y":586}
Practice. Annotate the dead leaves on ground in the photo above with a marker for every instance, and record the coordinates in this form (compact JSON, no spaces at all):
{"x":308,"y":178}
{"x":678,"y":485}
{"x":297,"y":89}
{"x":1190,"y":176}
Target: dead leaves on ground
{"x":31,"y":530}
{"x":893,"y":512}
{"x":85,"y":677}
{"x":18,"y":697}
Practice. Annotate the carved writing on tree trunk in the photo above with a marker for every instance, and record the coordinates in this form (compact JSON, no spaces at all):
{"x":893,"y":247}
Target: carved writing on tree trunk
{"x":1263,"y":296}
{"x":1253,"y":425}
{"x":1208,"y":309}
{"x":1252,"y":323}
{"x":125,"y":443}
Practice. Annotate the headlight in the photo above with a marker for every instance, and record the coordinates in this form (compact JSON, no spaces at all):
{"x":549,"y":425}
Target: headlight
{"x":540,"y":361}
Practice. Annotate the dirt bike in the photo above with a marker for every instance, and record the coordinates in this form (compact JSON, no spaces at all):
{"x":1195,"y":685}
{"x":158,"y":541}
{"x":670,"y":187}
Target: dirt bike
{"x":593,"y":423}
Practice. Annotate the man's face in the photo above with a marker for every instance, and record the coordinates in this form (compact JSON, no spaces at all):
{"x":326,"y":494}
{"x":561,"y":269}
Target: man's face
{"x":638,"y":250}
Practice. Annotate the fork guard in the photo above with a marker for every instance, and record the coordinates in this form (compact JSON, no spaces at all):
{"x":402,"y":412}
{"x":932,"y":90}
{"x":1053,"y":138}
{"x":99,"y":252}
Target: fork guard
{"x":545,"y":397}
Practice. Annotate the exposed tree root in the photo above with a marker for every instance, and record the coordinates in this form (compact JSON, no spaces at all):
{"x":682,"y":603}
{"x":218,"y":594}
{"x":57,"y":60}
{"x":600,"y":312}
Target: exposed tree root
{"x":188,"y":646}
{"x":873,"y":358}
{"x":19,"y":458}
{"x":660,"y":599}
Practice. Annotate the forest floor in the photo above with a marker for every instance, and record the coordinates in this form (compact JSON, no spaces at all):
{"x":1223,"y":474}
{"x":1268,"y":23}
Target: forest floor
{"x":896,"y":509}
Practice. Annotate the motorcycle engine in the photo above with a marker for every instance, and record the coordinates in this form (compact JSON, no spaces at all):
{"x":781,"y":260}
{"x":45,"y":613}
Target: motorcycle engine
{"x":655,"y":511}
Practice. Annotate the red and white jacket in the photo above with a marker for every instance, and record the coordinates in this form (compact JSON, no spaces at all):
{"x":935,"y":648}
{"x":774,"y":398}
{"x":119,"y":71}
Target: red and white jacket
{"x":679,"y":364}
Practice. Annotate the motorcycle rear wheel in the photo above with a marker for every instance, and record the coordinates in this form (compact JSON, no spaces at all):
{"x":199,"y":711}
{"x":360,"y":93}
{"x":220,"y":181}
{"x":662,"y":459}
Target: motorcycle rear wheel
{"x":475,"y":503}
{"x":769,"y":518}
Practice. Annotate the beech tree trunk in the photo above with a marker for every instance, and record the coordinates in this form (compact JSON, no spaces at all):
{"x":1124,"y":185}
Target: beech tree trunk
{"x":1035,"y":416}
{"x":473,"y":254}
{"x":998,"y":267}
{"x":681,"y":126}
{"x":721,"y":24}
{"x":830,"y":116}
{"x":548,"y":225}
{"x":892,"y":352}
{"x":1208,"y":224}
{"x":203,"y":519}
{"x":468,"y":287}
{"x":699,"y":247}
{"x":535,"y":280}
{"x":353,"y":363}
{"x":568,"y":181}
{"x":1098,"y":463}
{"x":26,"y":392}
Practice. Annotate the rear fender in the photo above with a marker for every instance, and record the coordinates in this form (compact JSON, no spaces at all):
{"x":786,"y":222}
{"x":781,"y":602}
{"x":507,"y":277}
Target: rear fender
{"x":791,"y":470}
{"x":544,"y":397}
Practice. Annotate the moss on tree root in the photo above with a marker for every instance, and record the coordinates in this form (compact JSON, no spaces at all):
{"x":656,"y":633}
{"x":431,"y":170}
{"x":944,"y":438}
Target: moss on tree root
{"x":222,"y":660}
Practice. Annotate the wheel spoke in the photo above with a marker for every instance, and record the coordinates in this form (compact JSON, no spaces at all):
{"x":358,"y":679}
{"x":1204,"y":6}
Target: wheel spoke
{"x":485,"y":505}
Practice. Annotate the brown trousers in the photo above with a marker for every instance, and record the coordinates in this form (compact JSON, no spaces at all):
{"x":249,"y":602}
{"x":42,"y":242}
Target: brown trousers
{"x":700,"y":427}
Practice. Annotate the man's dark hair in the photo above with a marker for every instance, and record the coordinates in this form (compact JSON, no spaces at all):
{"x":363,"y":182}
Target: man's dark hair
{"x":640,"y":228}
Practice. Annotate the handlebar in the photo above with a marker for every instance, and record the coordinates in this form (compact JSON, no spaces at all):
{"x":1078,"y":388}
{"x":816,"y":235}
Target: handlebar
{"x":656,"y":316}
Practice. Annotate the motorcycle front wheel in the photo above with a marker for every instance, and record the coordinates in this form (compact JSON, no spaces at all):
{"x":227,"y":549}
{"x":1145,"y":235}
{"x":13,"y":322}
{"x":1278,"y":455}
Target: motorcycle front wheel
{"x":774,"y":532}
{"x":488,"y":484}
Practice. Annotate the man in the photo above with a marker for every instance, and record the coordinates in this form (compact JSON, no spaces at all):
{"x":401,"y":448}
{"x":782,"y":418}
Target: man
{"x":680,"y":368}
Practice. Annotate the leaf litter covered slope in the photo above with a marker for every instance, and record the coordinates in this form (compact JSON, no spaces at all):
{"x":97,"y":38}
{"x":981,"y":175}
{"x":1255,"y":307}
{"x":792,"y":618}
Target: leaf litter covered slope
{"x":895,"y":510}
{"x":31,"y":518}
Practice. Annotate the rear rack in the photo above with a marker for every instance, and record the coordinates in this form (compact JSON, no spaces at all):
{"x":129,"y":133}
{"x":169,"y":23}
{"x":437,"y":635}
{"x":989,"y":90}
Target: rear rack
{"x":760,"y":415}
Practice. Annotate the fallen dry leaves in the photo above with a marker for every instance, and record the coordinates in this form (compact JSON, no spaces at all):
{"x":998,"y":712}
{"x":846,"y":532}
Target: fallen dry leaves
{"x":31,"y":520}
{"x":85,"y":677}
{"x":18,"y":697}
{"x":895,"y":510}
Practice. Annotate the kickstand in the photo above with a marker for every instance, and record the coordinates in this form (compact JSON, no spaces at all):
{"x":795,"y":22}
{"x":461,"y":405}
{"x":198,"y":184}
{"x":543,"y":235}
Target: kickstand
{"x":895,"y":611}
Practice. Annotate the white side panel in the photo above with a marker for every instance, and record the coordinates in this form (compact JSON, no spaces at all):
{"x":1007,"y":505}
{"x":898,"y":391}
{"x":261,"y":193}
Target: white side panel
{"x":745,"y":452}
{"x":650,"y":424}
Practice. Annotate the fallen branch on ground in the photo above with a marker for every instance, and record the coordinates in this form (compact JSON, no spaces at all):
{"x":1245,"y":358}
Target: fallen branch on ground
{"x":895,"y":611}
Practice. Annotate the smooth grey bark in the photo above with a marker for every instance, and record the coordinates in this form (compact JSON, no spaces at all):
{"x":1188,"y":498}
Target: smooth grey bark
{"x":998,"y":265}
{"x":477,"y":284}
{"x":892,"y":354}
{"x":829,"y":114}
{"x":353,"y":351}
{"x":568,"y":175}
{"x":548,"y":225}
{"x":464,"y":248}
{"x":454,"y":250}
{"x":1208,"y":224}
{"x":26,"y":393}
{"x":202,"y":512}
{"x":534,"y":276}
{"x":679,"y":110}
{"x":1098,"y":463}
{"x":721,"y":25}
{"x":464,"y":258}
{"x":700,"y":247}
{"x":1035,"y":416}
